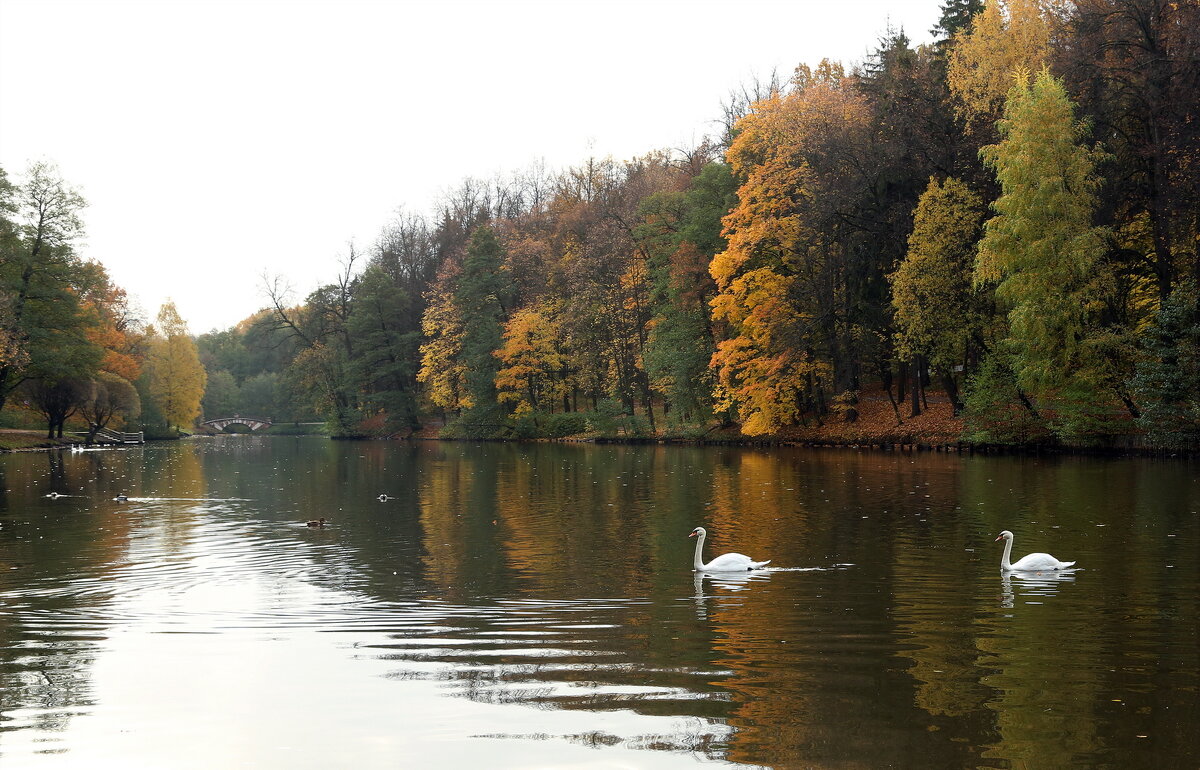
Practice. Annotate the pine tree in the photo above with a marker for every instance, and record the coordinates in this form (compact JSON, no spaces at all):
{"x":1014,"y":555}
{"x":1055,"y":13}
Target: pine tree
{"x":384,"y":363}
{"x":1167,"y":384}
{"x":483,"y":293}
{"x":956,"y":15}
{"x":681,"y":232}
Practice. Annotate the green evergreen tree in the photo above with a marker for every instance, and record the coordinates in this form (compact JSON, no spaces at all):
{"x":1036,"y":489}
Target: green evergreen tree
{"x":386,"y":347}
{"x":681,"y":232}
{"x":1167,"y":384}
{"x":956,"y":15}
{"x":483,"y":290}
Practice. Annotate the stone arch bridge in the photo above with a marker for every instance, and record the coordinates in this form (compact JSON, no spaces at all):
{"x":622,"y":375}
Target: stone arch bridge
{"x":253,"y":423}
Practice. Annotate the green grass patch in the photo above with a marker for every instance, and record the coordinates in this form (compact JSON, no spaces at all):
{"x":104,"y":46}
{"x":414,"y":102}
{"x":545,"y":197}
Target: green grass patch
{"x":15,"y":440}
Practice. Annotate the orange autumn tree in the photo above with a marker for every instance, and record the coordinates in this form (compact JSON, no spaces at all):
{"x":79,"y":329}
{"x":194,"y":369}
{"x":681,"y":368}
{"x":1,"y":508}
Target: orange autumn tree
{"x":115,"y":328}
{"x":782,"y":279}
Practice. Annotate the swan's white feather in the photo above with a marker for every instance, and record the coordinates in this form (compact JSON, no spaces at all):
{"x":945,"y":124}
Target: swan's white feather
{"x":1039,"y":561}
{"x":728,"y":562}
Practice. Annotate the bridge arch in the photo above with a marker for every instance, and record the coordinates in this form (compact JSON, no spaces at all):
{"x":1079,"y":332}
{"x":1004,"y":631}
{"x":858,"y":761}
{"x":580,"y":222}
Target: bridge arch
{"x":253,"y":423}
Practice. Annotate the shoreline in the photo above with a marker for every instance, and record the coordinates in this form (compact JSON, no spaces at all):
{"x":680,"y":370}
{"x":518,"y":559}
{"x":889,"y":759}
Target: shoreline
{"x":16,"y":440}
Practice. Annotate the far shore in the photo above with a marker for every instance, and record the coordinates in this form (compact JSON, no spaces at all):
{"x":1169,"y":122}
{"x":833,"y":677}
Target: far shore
{"x":828,"y":437}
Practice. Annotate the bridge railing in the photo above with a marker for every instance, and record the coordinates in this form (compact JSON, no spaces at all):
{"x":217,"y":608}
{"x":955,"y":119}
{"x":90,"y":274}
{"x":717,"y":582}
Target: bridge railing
{"x":109,"y":436}
{"x":254,"y":423}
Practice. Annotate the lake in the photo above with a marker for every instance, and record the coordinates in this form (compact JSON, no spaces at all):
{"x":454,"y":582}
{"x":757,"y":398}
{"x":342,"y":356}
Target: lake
{"x":533,"y":605}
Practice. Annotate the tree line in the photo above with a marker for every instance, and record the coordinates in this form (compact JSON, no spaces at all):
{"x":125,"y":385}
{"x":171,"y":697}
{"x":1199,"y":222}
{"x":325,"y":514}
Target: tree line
{"x":1007,"y":220}
{"x":71,"y":344}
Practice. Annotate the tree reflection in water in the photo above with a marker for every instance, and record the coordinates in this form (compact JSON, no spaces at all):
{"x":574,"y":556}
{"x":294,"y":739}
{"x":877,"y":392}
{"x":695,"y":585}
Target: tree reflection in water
{"x":547,"y":589}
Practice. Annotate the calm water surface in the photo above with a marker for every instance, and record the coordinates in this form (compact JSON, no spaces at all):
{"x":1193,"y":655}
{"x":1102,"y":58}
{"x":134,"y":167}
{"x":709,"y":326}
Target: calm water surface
{"x":533,"y":606}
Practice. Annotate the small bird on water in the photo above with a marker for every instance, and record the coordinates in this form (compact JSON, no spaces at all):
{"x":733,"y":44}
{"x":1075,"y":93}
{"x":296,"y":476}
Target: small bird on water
{"x":316,"y":522}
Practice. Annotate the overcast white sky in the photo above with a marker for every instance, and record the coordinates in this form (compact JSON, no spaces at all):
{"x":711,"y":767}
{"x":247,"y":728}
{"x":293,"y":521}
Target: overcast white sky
{"x":216,"y":141}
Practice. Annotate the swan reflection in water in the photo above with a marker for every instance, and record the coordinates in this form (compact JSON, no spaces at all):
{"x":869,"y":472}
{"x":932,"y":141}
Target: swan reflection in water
{"x":1045,"y":583}
{"x":727,"y":582}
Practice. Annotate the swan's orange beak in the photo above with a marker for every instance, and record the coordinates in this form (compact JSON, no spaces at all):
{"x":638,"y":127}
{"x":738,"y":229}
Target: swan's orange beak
{"x":692,"y":535}
{"x":998,"y":537}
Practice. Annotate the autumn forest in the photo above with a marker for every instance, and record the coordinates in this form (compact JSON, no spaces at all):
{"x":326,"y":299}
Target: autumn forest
{"x":1001,"y":228}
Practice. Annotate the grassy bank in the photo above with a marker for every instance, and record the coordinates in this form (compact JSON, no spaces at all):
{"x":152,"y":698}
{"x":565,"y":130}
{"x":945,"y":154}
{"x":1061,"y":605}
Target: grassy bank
{"x":16,"y":440}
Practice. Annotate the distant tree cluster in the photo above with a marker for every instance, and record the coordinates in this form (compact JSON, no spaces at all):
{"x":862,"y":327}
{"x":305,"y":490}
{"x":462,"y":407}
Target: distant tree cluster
{"x":71,"y":346}
{"x":247,"y":368}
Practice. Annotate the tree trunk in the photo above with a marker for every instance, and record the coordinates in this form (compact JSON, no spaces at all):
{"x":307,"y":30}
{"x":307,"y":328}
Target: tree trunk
{"x":916,"y":386}
{"x":951,"y":388}
{"x":1027,"y":403}
{"x":1130,"y":406}
{"x":885,"y":376}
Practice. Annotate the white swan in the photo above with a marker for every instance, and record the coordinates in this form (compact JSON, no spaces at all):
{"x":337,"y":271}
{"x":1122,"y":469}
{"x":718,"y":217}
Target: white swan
{"x":726,"y":562}
{"x":1031,"y":563}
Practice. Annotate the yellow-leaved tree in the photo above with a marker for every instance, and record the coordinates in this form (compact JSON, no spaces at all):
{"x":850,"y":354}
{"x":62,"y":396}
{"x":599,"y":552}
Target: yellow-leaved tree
{"x":532,"y":362}
{"x":1007,"y":36}
{"x":1041,"y":249}
{"x":1047,"y":260}
{"x":442,"y":369}
{"x":177,"y":378}
{"x":938,"y":314}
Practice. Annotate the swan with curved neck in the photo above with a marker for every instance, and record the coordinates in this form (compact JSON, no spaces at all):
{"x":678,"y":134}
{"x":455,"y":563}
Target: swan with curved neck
{"x":726,"y":562}
{"x":1030,"y":563}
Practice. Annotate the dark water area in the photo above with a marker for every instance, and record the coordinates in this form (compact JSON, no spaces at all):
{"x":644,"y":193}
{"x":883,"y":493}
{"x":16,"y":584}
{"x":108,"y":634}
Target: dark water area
{"x":533,"y":605}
